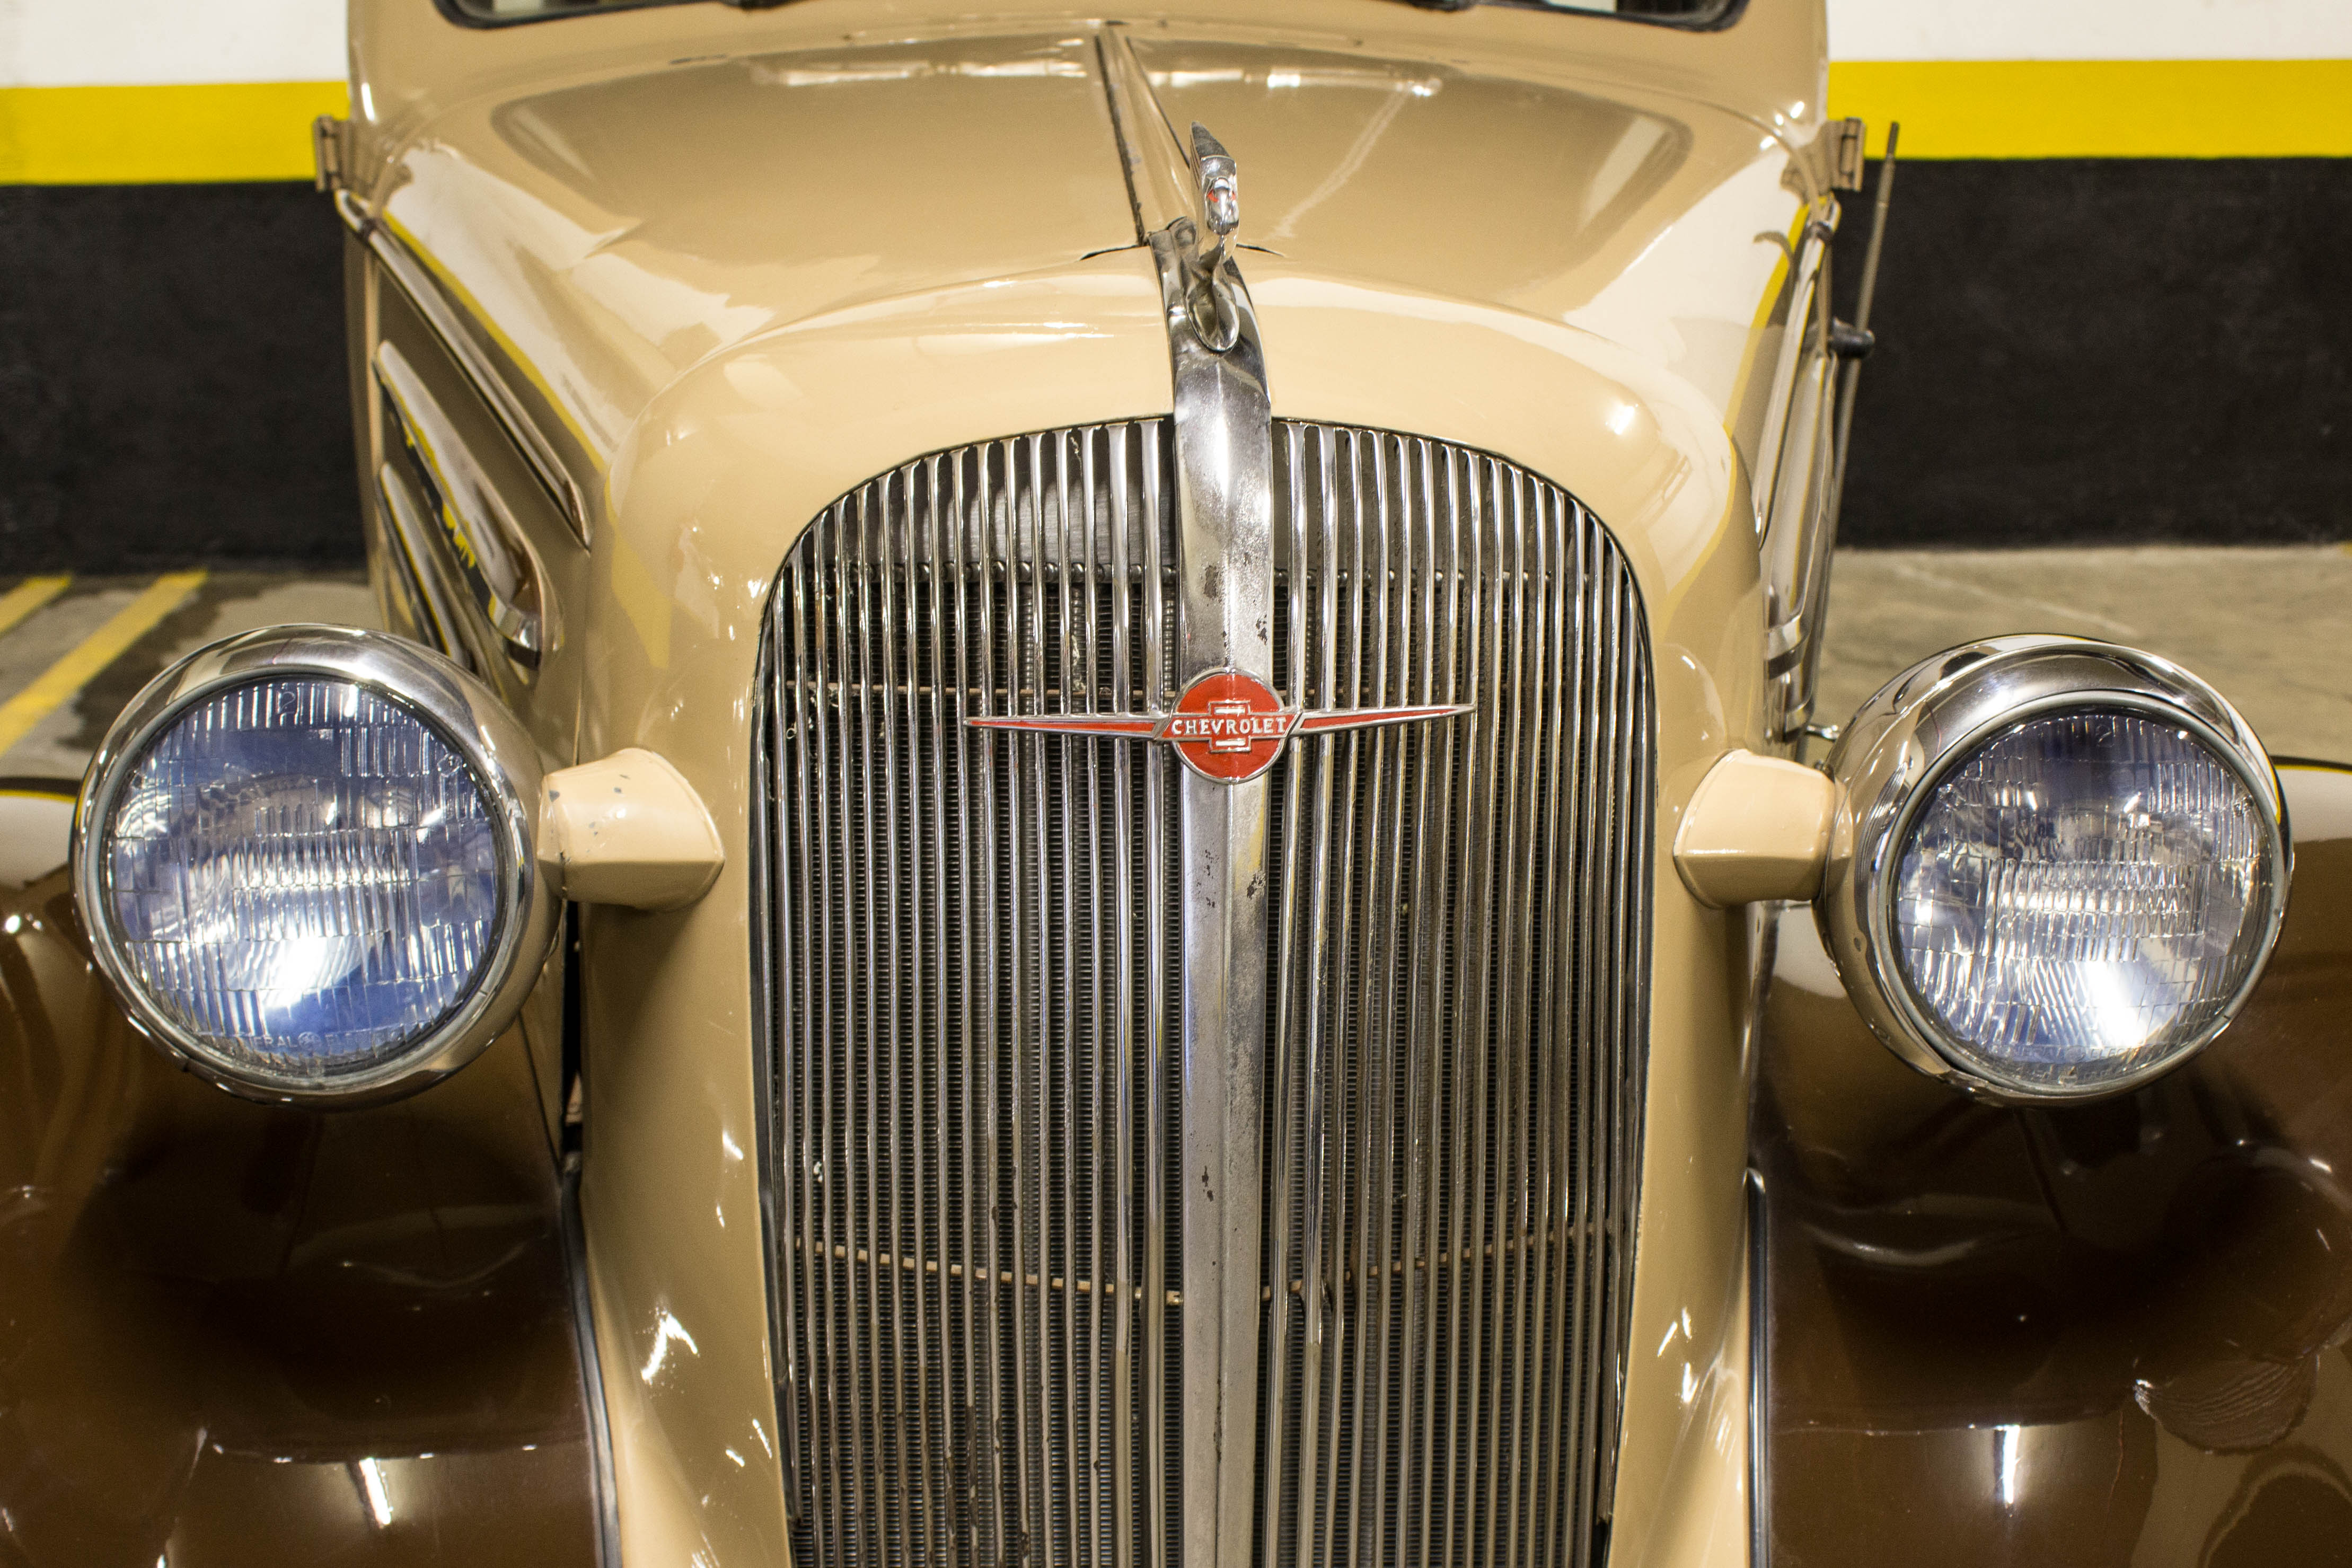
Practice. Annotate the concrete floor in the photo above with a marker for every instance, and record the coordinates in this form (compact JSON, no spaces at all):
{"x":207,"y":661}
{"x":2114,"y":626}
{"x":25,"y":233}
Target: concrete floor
{"x":2272,"y":629}
{"x":59,"y":746}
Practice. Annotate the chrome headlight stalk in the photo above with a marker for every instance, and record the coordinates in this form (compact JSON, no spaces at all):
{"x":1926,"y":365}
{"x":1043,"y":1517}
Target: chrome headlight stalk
{"x":305,"y":858}
{"x":2056,"y":870}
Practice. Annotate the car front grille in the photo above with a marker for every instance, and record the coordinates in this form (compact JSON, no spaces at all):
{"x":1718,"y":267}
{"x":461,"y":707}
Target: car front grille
{"x":972,"y":966}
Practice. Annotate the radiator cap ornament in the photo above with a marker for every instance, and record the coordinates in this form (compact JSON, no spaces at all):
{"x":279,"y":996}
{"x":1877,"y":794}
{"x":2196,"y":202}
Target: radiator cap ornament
{"x":1227,"y":726}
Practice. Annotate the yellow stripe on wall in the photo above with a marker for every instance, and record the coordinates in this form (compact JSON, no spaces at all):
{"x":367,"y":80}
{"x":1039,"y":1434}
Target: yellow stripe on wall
{"x":140,"y":135}
{"x":2102,"y":109}
{"x":1949,"y":109}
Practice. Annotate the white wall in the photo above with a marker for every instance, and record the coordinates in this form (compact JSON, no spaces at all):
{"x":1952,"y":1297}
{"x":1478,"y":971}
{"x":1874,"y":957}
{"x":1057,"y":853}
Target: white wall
{"x":95,"y":43}
{"x":2090,"y":29}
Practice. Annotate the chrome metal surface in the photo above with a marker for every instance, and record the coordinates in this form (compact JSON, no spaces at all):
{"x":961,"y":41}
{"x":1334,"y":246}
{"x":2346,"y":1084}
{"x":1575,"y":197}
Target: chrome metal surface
{"x":1932,"y":716}
{"x":976,"y":999}
{"x":401,"y":265}
{"x":1216,"y":303}
{"x":328,"y":140}
{"x":1220,"y":186}
{"x":1224,"y":622}
{"x":1162,"y":184}
{"x":482,"y":544}
{"x":982,"y":1134}
{"x":1229,"y":747}
{"x":464,"y":713}
{"x":428,"y":595}
{"x":1795,"y":469}
{"x":1459,"y":1006}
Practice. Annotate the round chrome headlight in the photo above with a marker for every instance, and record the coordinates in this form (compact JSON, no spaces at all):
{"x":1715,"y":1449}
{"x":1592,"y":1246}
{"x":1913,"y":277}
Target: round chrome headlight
{"x":305,"y":858}
{"x":2057,"y":869}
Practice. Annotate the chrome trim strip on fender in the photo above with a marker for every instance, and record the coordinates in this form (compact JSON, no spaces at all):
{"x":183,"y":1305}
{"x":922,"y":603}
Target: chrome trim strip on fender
{"x":494,"y":561}
{"x":403,"y":268}
{"x":414,"y":562}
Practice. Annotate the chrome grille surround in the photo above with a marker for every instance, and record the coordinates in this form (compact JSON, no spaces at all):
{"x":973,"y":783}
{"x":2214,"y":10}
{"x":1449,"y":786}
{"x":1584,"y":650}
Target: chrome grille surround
{"x":970,"y":949}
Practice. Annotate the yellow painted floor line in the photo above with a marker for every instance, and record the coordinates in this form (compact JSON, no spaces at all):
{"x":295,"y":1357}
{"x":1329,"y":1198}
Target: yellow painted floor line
{"x":55,"y":684}
{"x":27,"y":596}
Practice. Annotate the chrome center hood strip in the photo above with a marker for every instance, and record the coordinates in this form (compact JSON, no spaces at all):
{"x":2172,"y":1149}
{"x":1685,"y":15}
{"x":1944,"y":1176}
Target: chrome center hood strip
{"x":1224,"y":509}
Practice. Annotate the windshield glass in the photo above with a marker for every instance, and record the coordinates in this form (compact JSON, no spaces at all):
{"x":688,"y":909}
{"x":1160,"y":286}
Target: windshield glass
{"x":1687,"y":12}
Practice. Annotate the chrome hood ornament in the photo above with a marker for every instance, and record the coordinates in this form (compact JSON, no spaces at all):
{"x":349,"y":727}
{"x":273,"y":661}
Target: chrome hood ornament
{"x":1228,"y":726}
{"x":1211,"y":282}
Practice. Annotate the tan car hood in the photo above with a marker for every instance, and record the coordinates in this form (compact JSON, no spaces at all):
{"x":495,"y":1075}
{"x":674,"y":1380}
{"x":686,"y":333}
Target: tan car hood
{"x":612,"y":231}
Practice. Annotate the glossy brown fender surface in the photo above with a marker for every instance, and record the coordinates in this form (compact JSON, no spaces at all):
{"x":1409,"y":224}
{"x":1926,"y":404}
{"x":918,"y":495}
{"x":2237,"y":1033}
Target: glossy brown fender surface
{"x":2117,"y":1334}
{"x":234,"y":1334}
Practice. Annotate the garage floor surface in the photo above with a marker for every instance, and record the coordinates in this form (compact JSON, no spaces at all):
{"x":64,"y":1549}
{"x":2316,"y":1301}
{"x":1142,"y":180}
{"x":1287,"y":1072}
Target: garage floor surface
{"x":2272,"y":629}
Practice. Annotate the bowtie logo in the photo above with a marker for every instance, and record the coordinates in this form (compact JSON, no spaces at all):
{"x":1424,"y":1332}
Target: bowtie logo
{"x":1227,"y":726}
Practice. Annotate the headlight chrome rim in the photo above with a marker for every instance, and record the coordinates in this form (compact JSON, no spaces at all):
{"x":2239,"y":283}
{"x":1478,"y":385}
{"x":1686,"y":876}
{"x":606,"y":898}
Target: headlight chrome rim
{"x":1933,"y":718}
{"x":460,"y":712}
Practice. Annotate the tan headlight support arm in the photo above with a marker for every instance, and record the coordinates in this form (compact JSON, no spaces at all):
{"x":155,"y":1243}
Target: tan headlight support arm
{"x":1755,"y":828}
{"x":629,"y":831}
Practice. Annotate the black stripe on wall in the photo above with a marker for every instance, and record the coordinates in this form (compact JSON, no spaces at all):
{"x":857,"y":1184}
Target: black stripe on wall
{"x":2071,"y":352}
{"x":2105,"y":351}
{"x":171,"y":382}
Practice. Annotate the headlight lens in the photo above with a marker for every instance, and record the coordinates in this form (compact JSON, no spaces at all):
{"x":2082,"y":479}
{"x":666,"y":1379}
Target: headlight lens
{"x":2082,"y":895}
{"x":2057,"y":867}
{"x":306,"y":860}
{"x":304,"y":877}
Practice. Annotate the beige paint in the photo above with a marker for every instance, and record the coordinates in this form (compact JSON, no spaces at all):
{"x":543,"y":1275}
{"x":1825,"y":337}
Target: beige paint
{"x":740,"y":262}
{"x":628,"y":830}
{"x":1757,"y":828}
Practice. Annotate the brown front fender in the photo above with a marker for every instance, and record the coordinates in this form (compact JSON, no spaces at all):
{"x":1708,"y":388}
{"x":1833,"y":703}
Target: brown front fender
{"x":236,"y":1334}
{"x":2114,"y":1335}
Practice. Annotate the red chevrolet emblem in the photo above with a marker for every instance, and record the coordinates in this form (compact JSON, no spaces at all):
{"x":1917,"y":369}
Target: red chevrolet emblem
{"x":1227,"y":726}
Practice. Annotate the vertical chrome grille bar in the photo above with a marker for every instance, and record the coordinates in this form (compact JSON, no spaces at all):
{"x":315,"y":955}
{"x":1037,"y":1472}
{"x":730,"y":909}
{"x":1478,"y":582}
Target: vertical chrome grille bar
{"x":950,"y":1538}
{"x":804,"y":1044}
{"x":1027,"y":903}
{"x":976,"y":968}
{"x":891,"y":1217}
{"x":1429,"y":974}
{"x":839,"y":1309}
{"x":1315,"y":1501}
{"x":1359,"y":1273}
{"x":972,"y":1450}
{"x":1282,"y":1196}
{"x":1512,"y":1239}
{"x":1467,"y":979}
{"x":1101,"y":1023}
{"x":1123,"y":838}
{"x":1073,"y":866}
{"x":1161,"y":1336}
{"x":873,"y":1430}
{"x":1544,"y":693}
{"x":1382,"y":1539}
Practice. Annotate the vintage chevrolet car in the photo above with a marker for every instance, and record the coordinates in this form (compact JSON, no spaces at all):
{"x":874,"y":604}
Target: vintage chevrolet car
{"x":1081,"y":838}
